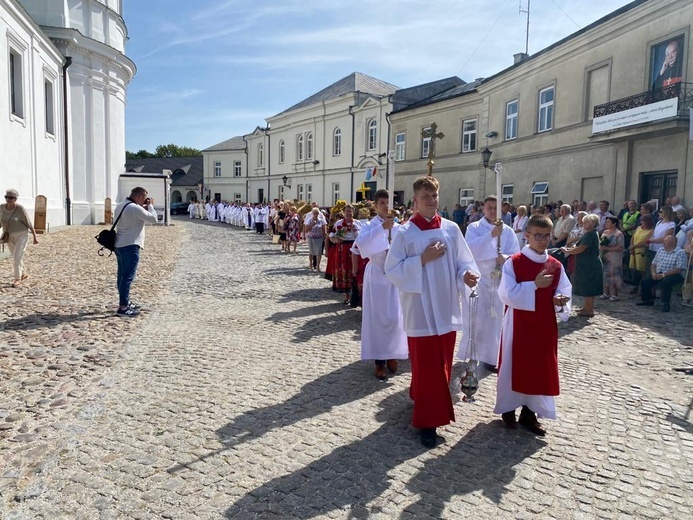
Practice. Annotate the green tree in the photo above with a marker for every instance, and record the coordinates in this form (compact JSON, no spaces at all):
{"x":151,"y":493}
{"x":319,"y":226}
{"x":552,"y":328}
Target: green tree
{"x":172,"y":150}
{"x":142,"y":154}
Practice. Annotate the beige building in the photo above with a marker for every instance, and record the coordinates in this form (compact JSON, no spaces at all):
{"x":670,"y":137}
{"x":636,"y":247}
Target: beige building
{"x":320,"y":149}
{"x":538,"y":117}
{"x":225,"y":167}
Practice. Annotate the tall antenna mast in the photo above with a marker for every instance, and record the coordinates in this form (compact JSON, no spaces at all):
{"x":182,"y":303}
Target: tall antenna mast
{"x":527,"y":32}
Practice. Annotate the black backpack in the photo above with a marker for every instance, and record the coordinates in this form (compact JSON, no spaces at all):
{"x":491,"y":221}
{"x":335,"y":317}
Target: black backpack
{"x":107,"y":238}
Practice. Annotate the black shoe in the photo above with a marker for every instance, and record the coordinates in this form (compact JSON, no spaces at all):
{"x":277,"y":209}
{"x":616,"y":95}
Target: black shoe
{"x":528,"y":419}
{"x":134,"y":307}
{"x":666,"y":307}
{"x":649,"y":303}
{"x":510,"y":420}
{"x":429,"y":437}
{"x":127,"y":313}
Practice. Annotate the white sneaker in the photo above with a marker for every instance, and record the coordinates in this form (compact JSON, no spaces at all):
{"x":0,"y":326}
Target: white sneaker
{"x":613,"y":299}
{"x":604,"y":297}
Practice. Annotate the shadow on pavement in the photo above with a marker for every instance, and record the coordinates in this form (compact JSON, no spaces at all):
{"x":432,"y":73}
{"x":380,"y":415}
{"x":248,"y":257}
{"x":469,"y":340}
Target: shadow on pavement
{"x":344,"y":385}
{"x":308,"y":295}
{"x":330,"y":324}
{"x":349,"y":479}
{"x":47,"y":320}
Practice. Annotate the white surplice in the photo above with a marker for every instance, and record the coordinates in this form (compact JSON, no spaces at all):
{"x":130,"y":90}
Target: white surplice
{"x":382,"y":330}
{"x":429,"y":294}
{"x":484,"y":247}
{"x":521,"y":296}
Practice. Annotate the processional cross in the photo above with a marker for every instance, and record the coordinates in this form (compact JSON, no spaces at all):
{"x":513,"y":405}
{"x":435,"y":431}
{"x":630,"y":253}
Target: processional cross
{"x":433,"y":136}
{"x":363,"y":190}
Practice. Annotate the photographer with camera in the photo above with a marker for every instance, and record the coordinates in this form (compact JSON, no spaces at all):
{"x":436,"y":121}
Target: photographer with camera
{"x":136,"y":211}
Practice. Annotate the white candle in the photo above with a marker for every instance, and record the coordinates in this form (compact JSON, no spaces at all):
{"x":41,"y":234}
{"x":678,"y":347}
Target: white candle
{"x":391,"y":181}
{"x":498,"y":168}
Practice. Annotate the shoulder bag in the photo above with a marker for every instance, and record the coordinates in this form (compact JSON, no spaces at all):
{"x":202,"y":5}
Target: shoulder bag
{"x":107,"y":238}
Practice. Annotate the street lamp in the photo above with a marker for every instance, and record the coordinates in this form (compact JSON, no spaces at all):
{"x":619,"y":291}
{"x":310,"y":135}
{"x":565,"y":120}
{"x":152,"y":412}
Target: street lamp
{"x":285,"y":181}
{"x":486,"y":156}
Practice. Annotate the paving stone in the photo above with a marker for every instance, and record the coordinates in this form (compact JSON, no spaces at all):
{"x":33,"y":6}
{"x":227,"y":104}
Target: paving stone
{"x":239,"y":393}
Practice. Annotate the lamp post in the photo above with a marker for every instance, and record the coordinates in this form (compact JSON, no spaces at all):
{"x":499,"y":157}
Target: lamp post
{"x":486,"y":156}
{"x":285,"y":181}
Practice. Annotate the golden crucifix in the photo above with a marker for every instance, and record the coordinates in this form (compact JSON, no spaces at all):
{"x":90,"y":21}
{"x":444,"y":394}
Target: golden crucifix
{"x":363,"y":190}
{"x":432,"y":135}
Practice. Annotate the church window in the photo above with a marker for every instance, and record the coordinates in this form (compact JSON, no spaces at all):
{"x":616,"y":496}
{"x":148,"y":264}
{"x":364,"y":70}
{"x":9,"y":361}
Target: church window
{"x":261,"y":155}
{"x":309,"y":192}
{"x":237,"y":198}
{"x":50,"y":110}
{"x":237,"y":169}
{"x":335,"y":192}
{"x":299,"y":191}
{"x":337,"y":146}
{"x":299,"y":148}
{"x":282,"y":152}
{"x":372,"y":134}
{"x":217,"y":168}
{"x":16,"y":84}
{"x":469,"y":136}
{"x":507,"y":195}
{"x":400,"y":144}
{"x":309,"y":146}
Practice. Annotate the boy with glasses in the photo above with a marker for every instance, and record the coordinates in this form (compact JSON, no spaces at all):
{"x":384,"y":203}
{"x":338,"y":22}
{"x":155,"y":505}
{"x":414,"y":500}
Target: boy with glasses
{"x":534,"y":287}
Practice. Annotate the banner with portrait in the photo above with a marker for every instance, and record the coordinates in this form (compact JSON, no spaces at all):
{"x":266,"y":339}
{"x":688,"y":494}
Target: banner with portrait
{"x":666,"y":62}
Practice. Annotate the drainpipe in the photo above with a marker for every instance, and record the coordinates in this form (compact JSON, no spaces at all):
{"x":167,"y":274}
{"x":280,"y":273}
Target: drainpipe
{"x":269,"y":160}
{"x":246,"y":168}
{"x":353,"y":144}
{"x":68,"y":202}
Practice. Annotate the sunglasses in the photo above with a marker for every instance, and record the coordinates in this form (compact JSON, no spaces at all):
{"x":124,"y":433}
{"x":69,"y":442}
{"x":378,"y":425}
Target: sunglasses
{"x":9,"y":198}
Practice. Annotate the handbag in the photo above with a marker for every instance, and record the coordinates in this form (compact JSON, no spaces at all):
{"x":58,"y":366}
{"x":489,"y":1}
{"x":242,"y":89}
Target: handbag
{"x":5,"y":238}
{"x":107,"y":237}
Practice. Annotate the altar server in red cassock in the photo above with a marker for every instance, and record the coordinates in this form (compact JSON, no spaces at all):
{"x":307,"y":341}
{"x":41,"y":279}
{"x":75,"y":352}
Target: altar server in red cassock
{"x":533,"y":287}
{"x":430,"y":264}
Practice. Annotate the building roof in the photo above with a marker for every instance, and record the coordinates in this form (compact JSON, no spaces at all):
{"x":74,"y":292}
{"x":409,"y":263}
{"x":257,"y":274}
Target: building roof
{"x":235,"y":143}
{"x":186,"y":171}
{"x":415,"y":95}
{"x":354,"y":82}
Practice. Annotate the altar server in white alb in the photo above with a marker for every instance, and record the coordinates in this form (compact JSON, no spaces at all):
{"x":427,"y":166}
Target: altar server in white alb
{"x":534,"y":287}
{"x":382,"y":332}
{"x":482,"y":239}
{"x":430,"y":264}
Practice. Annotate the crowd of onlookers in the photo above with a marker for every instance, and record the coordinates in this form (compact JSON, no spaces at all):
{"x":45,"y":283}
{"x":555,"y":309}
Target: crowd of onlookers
{"x":602,"y":248}
{"x":626,"y":241}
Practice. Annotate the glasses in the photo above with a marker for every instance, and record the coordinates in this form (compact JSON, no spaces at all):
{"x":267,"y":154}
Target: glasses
{"x":9,"y":198}
{"x":540,"y":237}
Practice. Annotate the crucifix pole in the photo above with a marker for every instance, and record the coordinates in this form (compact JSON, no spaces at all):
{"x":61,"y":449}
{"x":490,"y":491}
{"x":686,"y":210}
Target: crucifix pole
{"x":431,"y":134}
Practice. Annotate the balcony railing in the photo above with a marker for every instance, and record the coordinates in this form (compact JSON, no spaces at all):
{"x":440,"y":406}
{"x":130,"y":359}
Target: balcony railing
{"x":684,"y":91}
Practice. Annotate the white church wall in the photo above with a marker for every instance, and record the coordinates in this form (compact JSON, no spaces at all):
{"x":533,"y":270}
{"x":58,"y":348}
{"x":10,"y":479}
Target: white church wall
{"x":32,"y":143}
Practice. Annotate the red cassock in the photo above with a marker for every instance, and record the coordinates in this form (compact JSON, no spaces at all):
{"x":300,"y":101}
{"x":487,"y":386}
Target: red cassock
{"x":535,"y":333}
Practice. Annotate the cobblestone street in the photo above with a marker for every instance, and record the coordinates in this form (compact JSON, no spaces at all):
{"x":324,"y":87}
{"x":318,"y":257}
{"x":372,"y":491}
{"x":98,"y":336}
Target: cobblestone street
{"x":239,"y":393}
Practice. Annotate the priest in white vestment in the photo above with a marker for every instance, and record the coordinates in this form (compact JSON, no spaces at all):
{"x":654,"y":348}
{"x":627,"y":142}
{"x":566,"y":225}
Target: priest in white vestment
{"x":482,"y":239}
{"x":382,"y":331}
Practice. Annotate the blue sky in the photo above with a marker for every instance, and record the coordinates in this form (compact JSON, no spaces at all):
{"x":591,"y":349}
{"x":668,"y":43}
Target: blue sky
{"x":209,"y":70}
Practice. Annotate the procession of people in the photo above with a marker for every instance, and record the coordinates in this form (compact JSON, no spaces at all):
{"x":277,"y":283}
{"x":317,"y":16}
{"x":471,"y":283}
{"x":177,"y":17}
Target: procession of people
{"x":415,"y":273}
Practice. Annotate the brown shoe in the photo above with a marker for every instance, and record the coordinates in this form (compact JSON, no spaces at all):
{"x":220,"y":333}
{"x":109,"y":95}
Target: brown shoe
{"x":392,"y":366}
{"x":380,"y":372}
{"x":510,"y":420}
{"x":528,"y":419}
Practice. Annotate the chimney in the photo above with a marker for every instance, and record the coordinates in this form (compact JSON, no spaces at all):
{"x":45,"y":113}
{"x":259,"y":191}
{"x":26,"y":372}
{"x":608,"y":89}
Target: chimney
{"x":520,"y":56}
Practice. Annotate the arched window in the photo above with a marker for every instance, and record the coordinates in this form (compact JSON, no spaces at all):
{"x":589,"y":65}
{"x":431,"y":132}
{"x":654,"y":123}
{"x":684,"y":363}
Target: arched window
{"x":337,"y":142}
{"x":299,"y":148}
{"x":309,"y":146}
{"x":282,"y":152}
{"x":372,"y":134}
{"x":260,"y":155}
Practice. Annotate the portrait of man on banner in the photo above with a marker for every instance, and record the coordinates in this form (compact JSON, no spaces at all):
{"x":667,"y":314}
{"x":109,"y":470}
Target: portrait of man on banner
{"x":666,"y":67}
